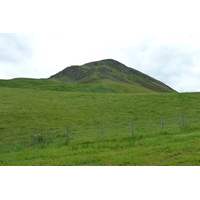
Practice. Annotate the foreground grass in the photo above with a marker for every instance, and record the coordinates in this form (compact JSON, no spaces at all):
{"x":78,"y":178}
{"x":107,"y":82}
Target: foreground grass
{"x":139,"y":150}
{"x":25,"y":110}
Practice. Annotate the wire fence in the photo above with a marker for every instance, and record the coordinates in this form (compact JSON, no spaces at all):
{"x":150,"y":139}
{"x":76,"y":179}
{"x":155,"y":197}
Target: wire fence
{"x":96,"y":131}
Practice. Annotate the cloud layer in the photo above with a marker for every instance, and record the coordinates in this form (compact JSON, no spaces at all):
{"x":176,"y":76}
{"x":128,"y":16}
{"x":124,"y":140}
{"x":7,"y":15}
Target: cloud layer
{"x":14,"y":48}
{"x":38,"y":56}
{"x":178,"y":65}
{"x":16,"y":51}
{"x":159,"y":38}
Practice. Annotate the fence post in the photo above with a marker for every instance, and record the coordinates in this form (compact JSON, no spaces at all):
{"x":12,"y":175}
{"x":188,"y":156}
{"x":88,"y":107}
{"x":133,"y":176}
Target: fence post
{"x":183,"y":121}
{"x":101,"y":129}
{"x":34,"y":139}
{"x":132,"y":128}
{"x":67,"y":133}
{"x":162,"y":124}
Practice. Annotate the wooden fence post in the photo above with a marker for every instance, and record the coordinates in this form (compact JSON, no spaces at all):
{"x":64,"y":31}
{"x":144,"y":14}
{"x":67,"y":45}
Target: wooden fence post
{"x":162,"y":124}
{"x":34,"y":139}
{"x":101,"y":129}
{"x":132,"y":128}
{"x":183,"y":121}
{"x":67,"y":133}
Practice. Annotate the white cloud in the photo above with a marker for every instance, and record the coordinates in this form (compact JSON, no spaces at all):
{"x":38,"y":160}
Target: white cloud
{"x":175,"y":64}
{"x":14,"y":48}
{"x":16,"y":52}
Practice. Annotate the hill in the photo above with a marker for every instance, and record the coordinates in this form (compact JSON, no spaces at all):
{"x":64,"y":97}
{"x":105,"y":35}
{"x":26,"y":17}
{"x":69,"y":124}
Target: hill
{"x":113,"y":75}
{"x":99,"y":128}
{"x":106,"y":76}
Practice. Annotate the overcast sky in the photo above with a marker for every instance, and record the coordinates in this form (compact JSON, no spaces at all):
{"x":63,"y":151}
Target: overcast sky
{"x":157,"y":37}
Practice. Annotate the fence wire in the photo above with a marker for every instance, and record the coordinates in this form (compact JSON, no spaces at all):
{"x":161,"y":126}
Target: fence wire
{"x":96,"y":131}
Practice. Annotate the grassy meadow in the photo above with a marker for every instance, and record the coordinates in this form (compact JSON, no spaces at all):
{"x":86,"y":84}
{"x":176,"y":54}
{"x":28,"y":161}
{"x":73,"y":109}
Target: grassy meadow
{"x":97,"y":86}
{"x":137,"y":129}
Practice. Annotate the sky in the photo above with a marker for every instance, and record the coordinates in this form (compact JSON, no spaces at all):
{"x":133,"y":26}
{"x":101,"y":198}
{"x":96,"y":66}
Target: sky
{"x":157,"y":37}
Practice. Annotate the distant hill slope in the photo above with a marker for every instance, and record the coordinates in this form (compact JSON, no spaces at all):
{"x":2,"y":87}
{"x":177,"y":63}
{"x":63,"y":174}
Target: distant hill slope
{"x":112,"y":75}
{"x":105,"y":76}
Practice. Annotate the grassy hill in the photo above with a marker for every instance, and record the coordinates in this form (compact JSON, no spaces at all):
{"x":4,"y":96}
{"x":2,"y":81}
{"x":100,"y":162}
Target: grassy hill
{"x":100,"y":113}
{"x":102,"y":128}
{"x":111,"y":74}
{"x":54,"y":85}
{"x":106,"y":76}
{"x":102,"y":86}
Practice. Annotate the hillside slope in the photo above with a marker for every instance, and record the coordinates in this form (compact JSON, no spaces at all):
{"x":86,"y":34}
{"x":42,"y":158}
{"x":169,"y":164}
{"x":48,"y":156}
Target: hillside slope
{"x":159,"y":137}
{"x":113,"y":75}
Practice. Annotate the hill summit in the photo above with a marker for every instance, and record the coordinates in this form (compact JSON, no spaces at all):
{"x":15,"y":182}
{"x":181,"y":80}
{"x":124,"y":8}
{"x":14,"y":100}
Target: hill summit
{"x":111,"y":74}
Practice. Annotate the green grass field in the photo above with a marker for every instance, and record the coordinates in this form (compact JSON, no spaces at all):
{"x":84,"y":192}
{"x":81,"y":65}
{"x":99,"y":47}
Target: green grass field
{"x":49,"y":112}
